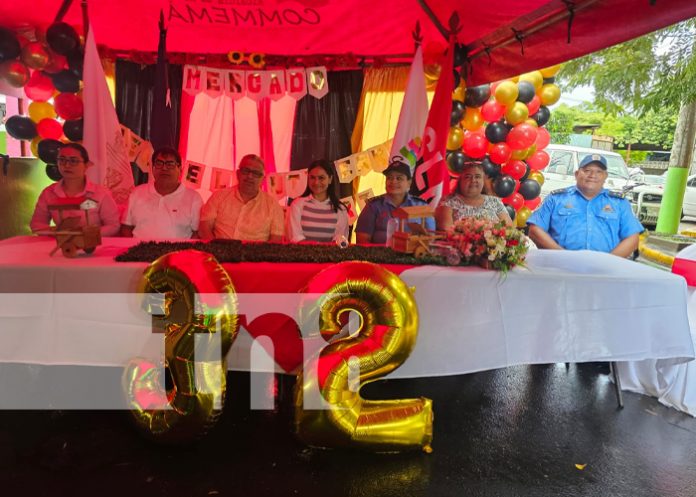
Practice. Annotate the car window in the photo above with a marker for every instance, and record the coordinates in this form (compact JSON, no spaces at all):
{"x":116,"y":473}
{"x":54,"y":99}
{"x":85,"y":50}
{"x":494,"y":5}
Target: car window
{"x":561,"y":162}
{"x":691,"y":182}
{"x":651,"y":179}
{"x":616,"y":167}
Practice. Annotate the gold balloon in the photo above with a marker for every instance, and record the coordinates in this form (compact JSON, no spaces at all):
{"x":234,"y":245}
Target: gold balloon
{"x":472,"y":119}
{"x":34,"y":146}
{"x":41,"y":110}
{"x":506,"y":92}
{"x":551,"y":71}
{"x":35,"y":55}
{"x":387,"y":335}
{"x":522,"y":215}
{"x":199,"y":300}
{"x":517,"y":113}
{"x":15,"y":73}
{"x":532,"y":122}
{"x":549,"y":94}
{"x":459,"y":93}
{"x":455,"y":138}
{"x":519,"y":154}
{"x":537,"y":176}
{"x":533,"y":77}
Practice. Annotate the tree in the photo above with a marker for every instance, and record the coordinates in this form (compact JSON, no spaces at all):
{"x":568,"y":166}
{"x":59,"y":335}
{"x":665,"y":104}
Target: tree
{"x":656,"y":71}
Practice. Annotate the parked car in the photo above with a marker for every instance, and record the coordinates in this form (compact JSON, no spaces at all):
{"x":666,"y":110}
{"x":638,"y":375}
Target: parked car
{"x":560,"y":173}
{"x":646,"y":198}
{"x":689,"y":204}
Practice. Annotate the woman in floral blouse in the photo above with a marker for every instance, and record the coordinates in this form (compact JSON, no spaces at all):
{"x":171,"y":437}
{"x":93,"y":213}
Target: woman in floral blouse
{"x":469,"y":201}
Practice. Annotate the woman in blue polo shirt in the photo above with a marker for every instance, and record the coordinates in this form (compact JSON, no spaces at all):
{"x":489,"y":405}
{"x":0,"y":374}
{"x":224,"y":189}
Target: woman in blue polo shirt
{"x":373,"y":222}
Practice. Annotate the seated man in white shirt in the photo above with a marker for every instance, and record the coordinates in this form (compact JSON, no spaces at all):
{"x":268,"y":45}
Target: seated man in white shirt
{"x":165,"y":208}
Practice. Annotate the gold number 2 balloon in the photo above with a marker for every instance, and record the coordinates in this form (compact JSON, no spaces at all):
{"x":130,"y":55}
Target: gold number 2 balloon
{"x":387,"y":335}
{"x":199,"y":307}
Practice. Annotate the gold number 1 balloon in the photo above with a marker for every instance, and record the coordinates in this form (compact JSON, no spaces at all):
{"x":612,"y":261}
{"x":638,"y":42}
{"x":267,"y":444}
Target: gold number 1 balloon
{"x":199,"y":300}
{"x":387,"y":335}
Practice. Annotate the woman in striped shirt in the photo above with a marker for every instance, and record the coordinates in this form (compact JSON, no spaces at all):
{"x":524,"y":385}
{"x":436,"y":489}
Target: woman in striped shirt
{"x":318,"y":215}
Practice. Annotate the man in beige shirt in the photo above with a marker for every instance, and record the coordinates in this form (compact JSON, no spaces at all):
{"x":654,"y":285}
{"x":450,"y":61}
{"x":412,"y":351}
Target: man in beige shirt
{"x":243,"y":212}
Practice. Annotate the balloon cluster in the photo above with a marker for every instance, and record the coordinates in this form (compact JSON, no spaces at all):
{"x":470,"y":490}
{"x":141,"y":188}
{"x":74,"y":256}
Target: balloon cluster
{"x":50,"y":72}
{"x":502,"y":124}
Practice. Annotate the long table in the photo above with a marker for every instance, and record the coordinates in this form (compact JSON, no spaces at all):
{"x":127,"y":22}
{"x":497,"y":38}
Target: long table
{"x":562,"y":307}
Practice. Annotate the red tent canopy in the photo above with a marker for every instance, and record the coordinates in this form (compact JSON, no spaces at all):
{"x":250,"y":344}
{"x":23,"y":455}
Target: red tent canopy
{"x":496,"y":32}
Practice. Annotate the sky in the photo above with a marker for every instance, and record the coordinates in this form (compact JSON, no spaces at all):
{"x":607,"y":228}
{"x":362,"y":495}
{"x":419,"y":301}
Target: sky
{"x":577,"y":96}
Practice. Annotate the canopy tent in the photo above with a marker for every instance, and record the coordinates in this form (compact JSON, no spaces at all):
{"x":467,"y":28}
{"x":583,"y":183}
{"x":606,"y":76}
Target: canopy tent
{"x":495,"y":33}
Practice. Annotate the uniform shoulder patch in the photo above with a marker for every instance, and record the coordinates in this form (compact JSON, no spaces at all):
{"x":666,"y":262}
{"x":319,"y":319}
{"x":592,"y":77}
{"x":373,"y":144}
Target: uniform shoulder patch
{"x":616,"y":194}
{"x":560,"y":190}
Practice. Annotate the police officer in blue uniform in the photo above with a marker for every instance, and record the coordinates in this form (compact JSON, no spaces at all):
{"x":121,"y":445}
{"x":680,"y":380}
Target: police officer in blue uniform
{"x":586,"y":216}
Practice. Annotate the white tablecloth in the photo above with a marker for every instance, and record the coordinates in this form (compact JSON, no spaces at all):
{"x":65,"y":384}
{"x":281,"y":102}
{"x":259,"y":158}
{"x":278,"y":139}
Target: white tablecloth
{"x":564,"y":307}
{"x":673,"y":385}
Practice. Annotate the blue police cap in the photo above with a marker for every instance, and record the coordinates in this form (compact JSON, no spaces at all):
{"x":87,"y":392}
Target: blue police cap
{"x":398,"y":165}
{"x":597,"y":159}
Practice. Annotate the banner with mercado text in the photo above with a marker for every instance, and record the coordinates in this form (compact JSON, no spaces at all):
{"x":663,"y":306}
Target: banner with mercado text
{"x":255,"y":84}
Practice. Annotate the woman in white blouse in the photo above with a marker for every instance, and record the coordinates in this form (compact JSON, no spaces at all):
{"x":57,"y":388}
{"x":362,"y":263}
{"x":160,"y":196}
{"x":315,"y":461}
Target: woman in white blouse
{"x":318,"y":215}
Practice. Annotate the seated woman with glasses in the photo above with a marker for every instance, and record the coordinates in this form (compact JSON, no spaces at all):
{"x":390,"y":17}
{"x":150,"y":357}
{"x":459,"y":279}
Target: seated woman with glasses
{"x":164,"y":209}
{"x":318,"y":215}
{"x":73,"y":162}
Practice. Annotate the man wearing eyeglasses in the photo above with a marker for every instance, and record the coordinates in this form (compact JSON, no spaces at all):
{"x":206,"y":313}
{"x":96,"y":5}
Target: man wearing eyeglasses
{"x":164,"y":209}
{"x":243,"y":212}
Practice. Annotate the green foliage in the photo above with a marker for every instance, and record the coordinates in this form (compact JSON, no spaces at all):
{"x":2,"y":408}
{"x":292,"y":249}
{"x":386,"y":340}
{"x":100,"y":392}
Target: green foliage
{"x":652,"y":72}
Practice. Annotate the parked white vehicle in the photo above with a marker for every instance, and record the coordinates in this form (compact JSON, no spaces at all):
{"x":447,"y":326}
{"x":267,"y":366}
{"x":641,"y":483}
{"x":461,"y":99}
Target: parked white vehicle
{"x":560,"y":173}
{"x":646,"y":198}
{"x":689,"y":204}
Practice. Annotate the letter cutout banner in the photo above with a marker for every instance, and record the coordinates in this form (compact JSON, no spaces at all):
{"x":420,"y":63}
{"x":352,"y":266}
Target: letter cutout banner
{"x":295,"y":82}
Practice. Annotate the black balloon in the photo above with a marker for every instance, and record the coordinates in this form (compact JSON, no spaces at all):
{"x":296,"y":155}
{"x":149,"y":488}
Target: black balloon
{"x":496,"y":132}
{"x":20,"y":128}
{"x":459,"y":54}
{"x":456,"y":161}
{"x":476,"y":96}
{"x":62,"y":38}
{"x":457,"y":78}
{"x":549,"y":80}
{"x":9,"y":46}
{"x":76,"y":62}
{"x":48,"y":150}
{"x":490,"y":168}
{"x":458,"y":110}
{"x":504,"y":185}
{"x":526,"y":91}
{"x":53,"y":172}
{"x":524,"y":176}
{"x":511,"y":211}
{"x":542,"y":116}
{"x":529,"y":189}
{"x":66,"y":81}
{"x":73,"y":129}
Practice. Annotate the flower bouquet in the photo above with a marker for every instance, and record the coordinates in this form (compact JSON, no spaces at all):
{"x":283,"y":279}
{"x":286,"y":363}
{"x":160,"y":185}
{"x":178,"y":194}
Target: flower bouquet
{"x":490,"y":244}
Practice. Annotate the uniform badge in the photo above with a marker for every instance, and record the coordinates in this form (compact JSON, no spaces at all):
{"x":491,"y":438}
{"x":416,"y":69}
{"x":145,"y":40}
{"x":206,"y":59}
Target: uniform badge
{"x":607,"y":208}
{"x":568,"y":206}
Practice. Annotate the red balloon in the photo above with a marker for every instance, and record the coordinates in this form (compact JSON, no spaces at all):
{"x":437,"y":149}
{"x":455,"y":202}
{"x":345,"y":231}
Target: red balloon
{"x":494,"y":86}
{"x":538,"y":160}
{"x":475,"y":145}
{"x":49,"y":128}
{"x":515,"y":168}
{"x":68,"y":106}
{"x":521,"y":136}
{"x":543,"y":138}
{"x":515,"y":201}
{"x":56,"y":63}
{"x":500,"y":152}
{"x":533,"y":203}
{"x":492,"y":110}
{"x":39,"y":88}
{"x":534,"y":105}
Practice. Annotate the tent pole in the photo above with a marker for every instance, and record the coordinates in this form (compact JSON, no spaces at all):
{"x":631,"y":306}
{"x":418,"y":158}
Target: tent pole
{"x":434,"y":19}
